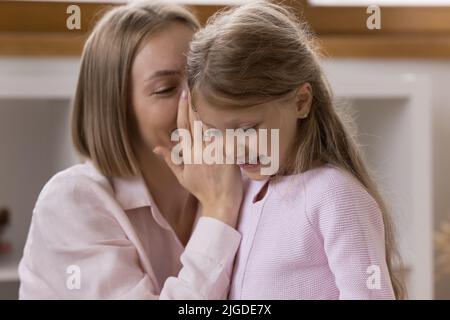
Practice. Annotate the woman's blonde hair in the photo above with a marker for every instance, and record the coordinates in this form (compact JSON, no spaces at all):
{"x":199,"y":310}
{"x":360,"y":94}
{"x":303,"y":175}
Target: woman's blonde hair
{"x":261,"y":51}
{"x":101,"y":117}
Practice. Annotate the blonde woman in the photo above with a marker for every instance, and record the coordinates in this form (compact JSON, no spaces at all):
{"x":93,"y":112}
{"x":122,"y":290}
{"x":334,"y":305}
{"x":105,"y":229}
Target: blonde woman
{"x":318,"y":228}
{"x":120,"y":225}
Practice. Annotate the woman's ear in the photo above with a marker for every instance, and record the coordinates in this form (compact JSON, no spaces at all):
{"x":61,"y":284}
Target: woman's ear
{"x":304,"y":100}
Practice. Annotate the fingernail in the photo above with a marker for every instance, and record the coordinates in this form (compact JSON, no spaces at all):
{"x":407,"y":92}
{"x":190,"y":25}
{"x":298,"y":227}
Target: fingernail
{"x":155,"y":150}
{"x":184,"y":94}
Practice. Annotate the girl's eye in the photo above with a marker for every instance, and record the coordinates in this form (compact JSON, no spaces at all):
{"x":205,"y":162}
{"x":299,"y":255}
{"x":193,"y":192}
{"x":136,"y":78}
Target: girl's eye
{"x":248,"y":128}
{"x":165,"y":90}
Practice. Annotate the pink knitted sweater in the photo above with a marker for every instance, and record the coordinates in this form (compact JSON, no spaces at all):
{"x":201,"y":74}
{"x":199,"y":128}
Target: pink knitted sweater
{"x":316,"y":235}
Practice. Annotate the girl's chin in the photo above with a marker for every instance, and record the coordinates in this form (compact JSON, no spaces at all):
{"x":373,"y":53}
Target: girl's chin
{"x":254,"y":175}
{"x":253,"y":172}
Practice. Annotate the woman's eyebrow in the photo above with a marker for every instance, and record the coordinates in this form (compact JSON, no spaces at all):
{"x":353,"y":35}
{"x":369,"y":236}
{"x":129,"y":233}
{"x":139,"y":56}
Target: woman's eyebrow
{"x":163,"y":73}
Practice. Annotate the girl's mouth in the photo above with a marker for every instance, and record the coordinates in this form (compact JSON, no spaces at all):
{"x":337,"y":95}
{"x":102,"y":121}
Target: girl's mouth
{"x":251,"y":165}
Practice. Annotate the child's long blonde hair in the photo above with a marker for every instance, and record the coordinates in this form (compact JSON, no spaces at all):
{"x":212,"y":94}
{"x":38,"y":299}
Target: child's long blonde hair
{"x":262,"y":51}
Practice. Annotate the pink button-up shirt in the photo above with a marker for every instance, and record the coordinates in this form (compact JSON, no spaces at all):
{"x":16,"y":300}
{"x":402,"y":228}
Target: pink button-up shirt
{"x":316,"y":235}
{"x":98,"y":238}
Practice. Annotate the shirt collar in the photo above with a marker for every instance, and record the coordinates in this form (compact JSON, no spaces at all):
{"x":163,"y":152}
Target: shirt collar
{"x":132,"y":193}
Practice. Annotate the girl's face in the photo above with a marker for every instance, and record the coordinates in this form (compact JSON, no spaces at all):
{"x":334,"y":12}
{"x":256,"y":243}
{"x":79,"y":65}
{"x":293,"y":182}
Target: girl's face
{"x":157,"y":79}
{"x":282,"y":114}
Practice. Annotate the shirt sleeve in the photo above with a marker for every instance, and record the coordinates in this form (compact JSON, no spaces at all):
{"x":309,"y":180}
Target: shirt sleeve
{"x":207,"y":263}
{"x":350,"y":224}
{"x":76,"y":249}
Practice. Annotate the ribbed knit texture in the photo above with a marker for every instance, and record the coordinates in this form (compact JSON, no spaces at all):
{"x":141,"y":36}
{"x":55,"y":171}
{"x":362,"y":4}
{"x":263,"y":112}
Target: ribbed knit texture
{"x":316,"y":235}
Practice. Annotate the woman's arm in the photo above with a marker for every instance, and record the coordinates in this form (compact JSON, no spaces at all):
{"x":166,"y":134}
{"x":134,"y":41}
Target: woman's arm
{"x":77,"y":249}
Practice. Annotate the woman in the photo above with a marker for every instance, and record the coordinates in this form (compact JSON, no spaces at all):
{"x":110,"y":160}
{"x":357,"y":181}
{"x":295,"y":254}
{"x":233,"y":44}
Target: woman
{"x":120,"y":225}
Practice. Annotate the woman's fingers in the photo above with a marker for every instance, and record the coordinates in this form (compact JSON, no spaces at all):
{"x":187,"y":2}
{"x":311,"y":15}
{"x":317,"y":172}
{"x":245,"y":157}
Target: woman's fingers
{"x":183,"y":109}
{"x":165,"y":153}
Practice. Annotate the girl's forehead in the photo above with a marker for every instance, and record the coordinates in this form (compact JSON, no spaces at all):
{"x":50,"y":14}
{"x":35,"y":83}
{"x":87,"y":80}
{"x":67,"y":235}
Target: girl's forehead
{"x":229,"y":118}
{"x":233,"y":115}
{"x":203,"y":94}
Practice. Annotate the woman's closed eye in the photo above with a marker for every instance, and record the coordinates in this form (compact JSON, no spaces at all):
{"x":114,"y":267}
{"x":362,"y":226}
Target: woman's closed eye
{"x":165,"y":90}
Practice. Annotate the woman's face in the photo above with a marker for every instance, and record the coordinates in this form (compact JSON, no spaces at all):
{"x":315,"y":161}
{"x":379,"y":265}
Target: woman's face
{"x":158,"y":77}
{"x":282,"y":114}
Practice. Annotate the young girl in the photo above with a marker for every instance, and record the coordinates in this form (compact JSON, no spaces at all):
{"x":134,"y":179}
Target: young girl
{"x":318,"y":228}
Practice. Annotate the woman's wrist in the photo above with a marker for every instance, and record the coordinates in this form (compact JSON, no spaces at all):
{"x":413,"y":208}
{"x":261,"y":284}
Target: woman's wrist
{"x":225,"y":213}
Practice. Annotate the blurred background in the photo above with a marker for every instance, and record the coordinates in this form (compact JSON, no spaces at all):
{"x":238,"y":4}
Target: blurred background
{"x":395,"y":79}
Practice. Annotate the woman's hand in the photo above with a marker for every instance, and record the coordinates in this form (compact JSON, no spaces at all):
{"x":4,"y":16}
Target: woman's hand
{"x":218,"y":187}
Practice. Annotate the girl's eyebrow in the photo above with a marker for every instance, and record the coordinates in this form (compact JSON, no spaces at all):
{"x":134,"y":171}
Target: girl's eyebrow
{"x":245,"y":124}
